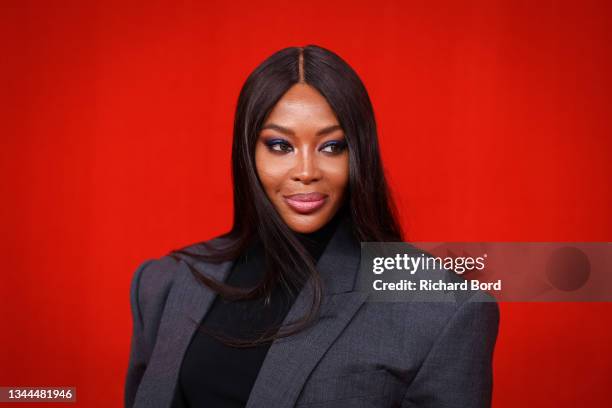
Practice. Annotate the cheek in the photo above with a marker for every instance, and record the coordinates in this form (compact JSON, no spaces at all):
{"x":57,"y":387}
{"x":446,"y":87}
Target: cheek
{"x":338,"y":174}
{"x":271,"y":173}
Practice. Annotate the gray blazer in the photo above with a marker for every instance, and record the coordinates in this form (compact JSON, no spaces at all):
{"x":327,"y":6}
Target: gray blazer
{"x":359,"y":354}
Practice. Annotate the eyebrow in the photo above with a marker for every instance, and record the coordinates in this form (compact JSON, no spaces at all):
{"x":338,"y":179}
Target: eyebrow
{"x":287,"y":131}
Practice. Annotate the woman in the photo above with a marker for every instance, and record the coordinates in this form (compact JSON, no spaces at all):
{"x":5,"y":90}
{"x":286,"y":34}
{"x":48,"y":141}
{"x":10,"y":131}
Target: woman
{"x":288,"y":327}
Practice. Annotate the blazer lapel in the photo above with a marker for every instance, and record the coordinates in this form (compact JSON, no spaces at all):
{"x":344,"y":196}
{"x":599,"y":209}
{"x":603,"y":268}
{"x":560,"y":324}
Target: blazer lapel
{"x":186,"y":305}
{"x":290,"y":360}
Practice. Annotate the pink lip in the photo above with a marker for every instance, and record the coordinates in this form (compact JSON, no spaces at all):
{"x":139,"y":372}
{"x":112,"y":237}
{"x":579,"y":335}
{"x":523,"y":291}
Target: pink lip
{"x":306,"y":203}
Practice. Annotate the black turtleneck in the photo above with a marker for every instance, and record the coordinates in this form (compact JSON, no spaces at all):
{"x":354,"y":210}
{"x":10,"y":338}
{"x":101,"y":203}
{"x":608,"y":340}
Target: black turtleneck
{"x":215,"y":375}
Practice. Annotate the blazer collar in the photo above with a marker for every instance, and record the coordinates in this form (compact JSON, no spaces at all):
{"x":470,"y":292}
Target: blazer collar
{"x":289,"y":360}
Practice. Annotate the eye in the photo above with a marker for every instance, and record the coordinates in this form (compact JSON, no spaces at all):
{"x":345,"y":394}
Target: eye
{"x":279,"y":145}
{"x":334,"y":146}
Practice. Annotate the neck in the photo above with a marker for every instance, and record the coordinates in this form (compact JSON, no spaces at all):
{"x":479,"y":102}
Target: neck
{"x":316,"y":241}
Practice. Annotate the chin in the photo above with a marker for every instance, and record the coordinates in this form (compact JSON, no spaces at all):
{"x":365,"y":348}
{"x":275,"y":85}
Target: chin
{"x":305,"y":224}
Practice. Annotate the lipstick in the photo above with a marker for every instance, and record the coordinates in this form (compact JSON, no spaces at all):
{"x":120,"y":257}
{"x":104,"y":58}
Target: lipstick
{"x":306,"y":203}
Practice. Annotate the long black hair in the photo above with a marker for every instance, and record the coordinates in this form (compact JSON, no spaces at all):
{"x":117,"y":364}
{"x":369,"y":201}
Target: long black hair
{"x":368,"y":201}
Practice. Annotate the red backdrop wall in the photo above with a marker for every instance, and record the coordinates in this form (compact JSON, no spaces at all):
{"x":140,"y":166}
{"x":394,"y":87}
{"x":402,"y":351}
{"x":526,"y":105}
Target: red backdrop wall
{"x":494,"y":124}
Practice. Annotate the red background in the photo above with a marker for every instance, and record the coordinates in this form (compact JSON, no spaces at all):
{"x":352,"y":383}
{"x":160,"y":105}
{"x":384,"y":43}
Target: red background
{"x":116,"y":133}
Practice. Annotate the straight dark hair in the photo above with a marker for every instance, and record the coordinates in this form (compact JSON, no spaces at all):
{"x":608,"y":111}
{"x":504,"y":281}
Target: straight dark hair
{"x":368,"y":200}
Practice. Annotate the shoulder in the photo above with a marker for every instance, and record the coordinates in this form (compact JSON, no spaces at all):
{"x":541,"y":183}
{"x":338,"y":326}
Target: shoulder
{"x":469,"y":306}
{"x":153,"y":279}
{"x":473,"y":312}
{"x":157,"y":274}
{"x":471,"y":315}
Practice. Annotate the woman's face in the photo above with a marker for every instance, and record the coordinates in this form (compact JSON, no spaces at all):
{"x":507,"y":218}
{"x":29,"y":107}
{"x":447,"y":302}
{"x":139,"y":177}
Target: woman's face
{"x":302,"y":159}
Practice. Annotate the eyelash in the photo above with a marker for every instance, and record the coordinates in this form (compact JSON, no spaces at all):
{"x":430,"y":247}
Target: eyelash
{"x":285,"y":147}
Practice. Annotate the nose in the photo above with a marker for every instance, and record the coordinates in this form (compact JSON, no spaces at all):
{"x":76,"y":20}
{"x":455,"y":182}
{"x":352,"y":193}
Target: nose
{"x":306,"y":169}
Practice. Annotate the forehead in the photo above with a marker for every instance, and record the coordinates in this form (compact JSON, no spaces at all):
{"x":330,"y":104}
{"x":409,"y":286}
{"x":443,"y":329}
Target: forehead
{"x":302,"y":106}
